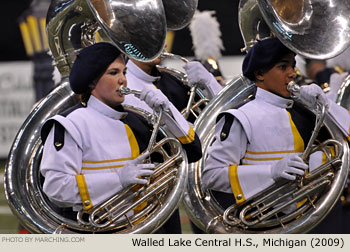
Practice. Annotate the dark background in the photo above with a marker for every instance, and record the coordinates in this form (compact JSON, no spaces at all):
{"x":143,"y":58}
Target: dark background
{"x":12,"y":48}
{"x":227,"y":16}
{"x":11,"y":45}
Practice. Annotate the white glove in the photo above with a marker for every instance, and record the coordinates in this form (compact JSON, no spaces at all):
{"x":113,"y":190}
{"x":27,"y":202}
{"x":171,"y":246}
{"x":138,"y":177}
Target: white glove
{"x":132,"y":171}
{"x":154,"y":98}
{"x":288,"y":167}
{"x":309,"y":94}
{"x":198,"y":74}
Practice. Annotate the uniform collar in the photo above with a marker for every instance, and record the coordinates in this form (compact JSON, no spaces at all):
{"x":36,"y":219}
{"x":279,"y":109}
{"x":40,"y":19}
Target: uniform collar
{"x":139,"y":73}
{"x":104,"y":109}
{"x":273,"y":99}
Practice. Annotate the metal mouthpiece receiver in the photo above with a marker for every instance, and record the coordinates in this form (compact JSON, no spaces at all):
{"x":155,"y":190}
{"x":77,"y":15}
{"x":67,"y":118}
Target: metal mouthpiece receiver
{"x":293,"y":88}
{"x":125,"y":91}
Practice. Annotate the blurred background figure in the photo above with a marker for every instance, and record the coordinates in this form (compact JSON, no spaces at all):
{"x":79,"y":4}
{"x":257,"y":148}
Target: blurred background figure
{"x":328,"y":74}
{"x":206,"y":40}
{"x":207,"y":46}
{"x":319,"y":72}
{"x":32,"y":25}
{"x":341,"y":65}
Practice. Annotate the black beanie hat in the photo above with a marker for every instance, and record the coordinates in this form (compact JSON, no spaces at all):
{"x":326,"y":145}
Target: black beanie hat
{"x":263,"y":54}
{"x":91,"y":62}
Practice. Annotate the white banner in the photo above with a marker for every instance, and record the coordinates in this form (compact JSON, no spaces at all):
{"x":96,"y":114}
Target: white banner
{"x":16,"y":100}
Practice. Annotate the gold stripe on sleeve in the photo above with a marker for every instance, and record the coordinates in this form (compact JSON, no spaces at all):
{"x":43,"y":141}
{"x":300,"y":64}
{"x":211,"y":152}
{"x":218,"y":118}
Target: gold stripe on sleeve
{"x":235,"y":186}
{"x":189,"y":138}
{"x":84,"y":193}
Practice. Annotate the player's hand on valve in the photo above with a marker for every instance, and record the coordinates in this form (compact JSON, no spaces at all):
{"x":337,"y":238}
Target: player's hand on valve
{"x":154,"y":98}
{"x":134,"y":172}
{"x":198,"y":74}
{"x":310,"y":94}
{"x":288,"y":168}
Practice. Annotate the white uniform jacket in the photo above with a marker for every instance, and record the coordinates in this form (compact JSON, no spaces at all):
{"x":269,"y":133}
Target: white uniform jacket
{"x":137,"y":79}
{"x":262,"y":132}
{"x":96,"y":144}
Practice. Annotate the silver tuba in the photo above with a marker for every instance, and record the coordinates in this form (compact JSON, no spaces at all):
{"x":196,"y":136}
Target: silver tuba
{"x":319,"y":190}
{"x":343,"y":98}
{"x":72,"y":25}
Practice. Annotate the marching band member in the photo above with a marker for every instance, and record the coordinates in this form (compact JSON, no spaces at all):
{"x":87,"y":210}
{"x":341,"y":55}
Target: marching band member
{"x":261,"y":142}
{"x":92,"y":151}
{"x":328,"y":78}
{"x":145,"y":75}
{"x":341,"y":64}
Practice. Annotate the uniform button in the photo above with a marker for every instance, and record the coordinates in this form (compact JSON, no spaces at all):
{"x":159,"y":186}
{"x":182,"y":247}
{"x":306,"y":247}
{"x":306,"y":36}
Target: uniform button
{"x":239,"y":196}
{"x":223,"y":134}
{"x":86,"y":202}
{"x":58,"y":144}
{"x":83,"y":103}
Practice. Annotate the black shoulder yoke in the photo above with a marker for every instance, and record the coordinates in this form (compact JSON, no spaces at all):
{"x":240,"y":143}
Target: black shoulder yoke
{"x":227,"y":125}
{"x":59,"y":129}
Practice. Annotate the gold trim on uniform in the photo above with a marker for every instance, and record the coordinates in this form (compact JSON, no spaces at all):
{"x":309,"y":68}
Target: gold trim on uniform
{"x":262,"y":159}
{"x":235,"y":185}
{"x":298,"y":147}
{"x":135,"y":152}
{"x":271,"y":152}
{"x":134,"y":146}
{"x":298,"y":140}
{"x":106,"y":161}
{"x":189,"y":138}
{"x":102,"y":167}
{"x":83,"y":190}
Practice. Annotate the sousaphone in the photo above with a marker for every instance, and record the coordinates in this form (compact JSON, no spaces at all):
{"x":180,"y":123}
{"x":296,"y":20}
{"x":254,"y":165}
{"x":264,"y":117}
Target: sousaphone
{"x":138,"y":28}
{"x":293,"y":23}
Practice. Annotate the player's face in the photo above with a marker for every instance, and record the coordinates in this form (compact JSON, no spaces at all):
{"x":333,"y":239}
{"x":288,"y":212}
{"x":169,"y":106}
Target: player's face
{"x":108,"y":85}
{"x":277,"y":78}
